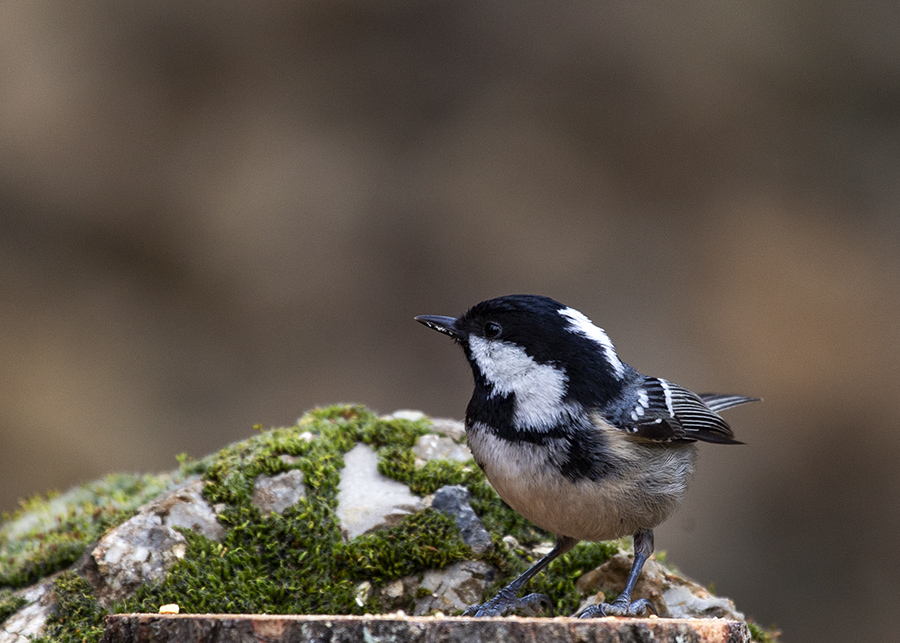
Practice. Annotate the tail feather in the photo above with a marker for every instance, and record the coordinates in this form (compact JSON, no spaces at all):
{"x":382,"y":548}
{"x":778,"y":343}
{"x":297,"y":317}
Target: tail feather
{"x":718,"y":402}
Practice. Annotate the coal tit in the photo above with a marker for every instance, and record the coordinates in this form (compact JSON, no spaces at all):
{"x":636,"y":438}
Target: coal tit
{"x":572,"y":437}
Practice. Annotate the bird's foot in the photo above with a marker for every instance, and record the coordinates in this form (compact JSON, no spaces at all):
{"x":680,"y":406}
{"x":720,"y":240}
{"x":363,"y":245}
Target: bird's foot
{"x":506,"y":602}
{"x":622,"y":606}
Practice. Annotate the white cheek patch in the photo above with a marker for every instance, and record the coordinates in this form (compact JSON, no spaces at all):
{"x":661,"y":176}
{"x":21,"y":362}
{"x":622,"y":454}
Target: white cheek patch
{"x":579,"y":323}
{"x":539,"y":388}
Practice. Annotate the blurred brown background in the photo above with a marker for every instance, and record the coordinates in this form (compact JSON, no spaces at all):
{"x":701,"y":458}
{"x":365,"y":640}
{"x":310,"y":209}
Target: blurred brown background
{"x":213,"y":215}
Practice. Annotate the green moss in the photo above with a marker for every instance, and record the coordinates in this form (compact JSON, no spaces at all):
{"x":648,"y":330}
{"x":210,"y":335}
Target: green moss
{"x":398,"y":462}
{"x":282,"y":564}
{"x":760,"y":634}
{"x":78,"y":617}
{"x":395,"y":433}
{"x":427,"y":540}
{"x":288,"y":564}
{"x":9,"y":604}
{"x":49,"y":533}
{"x":558,"y":581}
{"x":296,"y":562}
{"x":437,"y":473}
{"x":230,"y":472}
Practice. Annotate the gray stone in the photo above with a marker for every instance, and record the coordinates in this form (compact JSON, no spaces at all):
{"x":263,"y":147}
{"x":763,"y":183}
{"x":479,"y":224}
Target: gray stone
{"x":398,"y":594}
{"x":446,"y":590}
{"x":433,"y":447}
{"x":185,"y":507}
{"x":449,"y":427}
{"x":29,"y":621}
{"x":405,"y":414}
{"x":363,"y":592}
{"x":541,"y":549}
{"x":367,"y":500}
{"x":393,"y":589}
{"x":511,"y":542}
{"x":454,"y":588}
{"x":689,"y":600}
{"x":146,"y":546}
{"x":277,"y":493}
{"x":453,"y":500}
{"x":674,"y":596}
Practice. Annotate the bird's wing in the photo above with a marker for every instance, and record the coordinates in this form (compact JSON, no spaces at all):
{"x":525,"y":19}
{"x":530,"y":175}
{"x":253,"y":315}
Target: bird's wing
{"x":665,"y":412}
{"x":718,"y":402}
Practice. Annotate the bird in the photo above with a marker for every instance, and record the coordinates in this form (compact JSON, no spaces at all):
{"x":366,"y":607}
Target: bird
{"x":574,"y":439}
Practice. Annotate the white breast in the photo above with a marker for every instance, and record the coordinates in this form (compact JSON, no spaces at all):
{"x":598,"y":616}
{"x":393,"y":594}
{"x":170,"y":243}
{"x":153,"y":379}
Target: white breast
{"x":612,"y":507}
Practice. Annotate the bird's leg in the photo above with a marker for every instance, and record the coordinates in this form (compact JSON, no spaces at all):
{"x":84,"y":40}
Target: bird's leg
{"x":507,"y":599}
{"x":622,"y":606}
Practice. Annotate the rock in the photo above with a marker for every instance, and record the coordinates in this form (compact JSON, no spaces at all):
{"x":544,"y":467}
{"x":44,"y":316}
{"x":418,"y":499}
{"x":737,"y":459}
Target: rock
{"x":277,"y":493}
{"x":393,"y":590}
{"x":674,"y":596}
{"x":144,"y":547}
{"x":185,"y":507}
{"x":689,"y":600}
{"x":29,"y":621}
{"x":454,"y":502}
{"x":542,"y":549}
{"x":363,"y":592}
{"x":405,"y":414}
{"x":368,"y":500}
{"x":511,"y":542}
{"x":451,"y":428}
{"x":431,"y":447}
{"x":398,"y":594}
{"x":454,"y":588}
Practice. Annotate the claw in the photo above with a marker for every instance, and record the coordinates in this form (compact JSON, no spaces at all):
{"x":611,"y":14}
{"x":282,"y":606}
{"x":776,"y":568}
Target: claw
{"x":642,"y":607}
{"x":535,"y":604}
{"x":504,"y":603}
{"x":620,"y":607}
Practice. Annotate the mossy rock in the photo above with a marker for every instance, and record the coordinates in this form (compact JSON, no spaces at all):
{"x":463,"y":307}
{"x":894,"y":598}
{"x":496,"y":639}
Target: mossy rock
{"x":292,"y":562}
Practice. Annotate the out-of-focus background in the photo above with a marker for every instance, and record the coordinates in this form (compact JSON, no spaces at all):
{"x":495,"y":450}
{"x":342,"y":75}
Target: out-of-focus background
{"x":215,"y":215}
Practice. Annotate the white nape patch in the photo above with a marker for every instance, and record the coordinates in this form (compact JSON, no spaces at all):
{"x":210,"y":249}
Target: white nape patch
{"x":539,"y":388}
{"x":579,"y":323}
{"x":668,"y":393}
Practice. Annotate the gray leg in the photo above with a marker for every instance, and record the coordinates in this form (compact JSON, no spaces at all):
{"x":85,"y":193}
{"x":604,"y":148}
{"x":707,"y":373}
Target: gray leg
{"x":622,"y":606}
{"x":507,"y":599}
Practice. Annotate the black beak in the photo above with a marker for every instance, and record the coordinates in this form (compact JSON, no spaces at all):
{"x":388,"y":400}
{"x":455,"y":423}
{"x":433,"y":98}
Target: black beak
{"x":441,"y":324}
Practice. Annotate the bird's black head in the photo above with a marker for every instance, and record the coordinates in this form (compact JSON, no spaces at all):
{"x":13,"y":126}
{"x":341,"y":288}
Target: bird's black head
{"x":535,"y":348}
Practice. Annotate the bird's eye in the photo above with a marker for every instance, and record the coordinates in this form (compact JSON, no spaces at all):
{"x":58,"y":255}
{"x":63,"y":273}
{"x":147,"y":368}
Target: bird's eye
{"x":492,"y":330}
